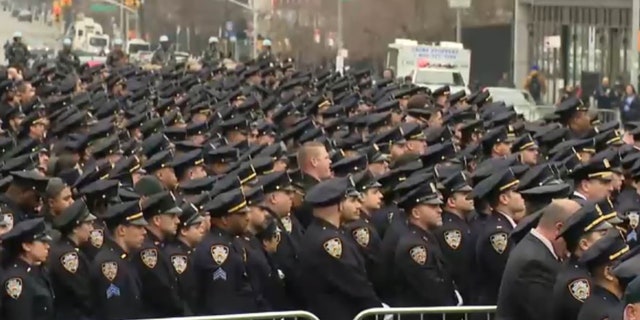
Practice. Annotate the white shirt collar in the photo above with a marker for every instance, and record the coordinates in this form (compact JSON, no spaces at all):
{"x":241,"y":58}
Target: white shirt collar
{"x":544,"y":241}
{"x":513,"y":223}
{"x":579,"y":195}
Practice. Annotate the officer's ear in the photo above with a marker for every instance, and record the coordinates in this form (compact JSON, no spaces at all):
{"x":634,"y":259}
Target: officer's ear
{"x":608,"y":274}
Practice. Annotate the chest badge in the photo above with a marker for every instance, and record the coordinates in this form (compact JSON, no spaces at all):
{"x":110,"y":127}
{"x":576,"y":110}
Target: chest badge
{"x":499,"y":242}
{"x":149,"y":257}
{"x":419,"y":254}
{"x":634,"y":218}
{"x":70,"y":262}
{"x":13,"y":287}
{"x":109,"y":270}
{"x":179,"y":263}
{"x":97,"y":238}
{"x":7,"y":218}
{"x":219,"y":253}
{"x":286,"y":223}
{"x":580,"y":289}
{"x":362,"y":236}
{"x":333,"y":247}
{"x":453,"y":238}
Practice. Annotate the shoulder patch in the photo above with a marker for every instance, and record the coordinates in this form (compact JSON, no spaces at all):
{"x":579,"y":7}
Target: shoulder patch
{"x":499,"y":241}
{"x":149,"y":257}
{"x":13,"y":286}
{"x":179,"y":263}
{"x":109,"y":270}
{"x":419,"y":254}
{"x":219,"y":253}
{"x":580,"y":289}
{"x":362,"y":236}
{"x":70,"y":262}
{"x":453,"y":238}
{"x":333,"y":247}
{"x":97,"y":238}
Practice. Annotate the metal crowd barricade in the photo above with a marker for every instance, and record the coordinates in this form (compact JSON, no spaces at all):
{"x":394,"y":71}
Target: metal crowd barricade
{"x":534,"y":113}
{"x":286,"y":315}
{"x":397,"y":313}
{"x":607,"y":115}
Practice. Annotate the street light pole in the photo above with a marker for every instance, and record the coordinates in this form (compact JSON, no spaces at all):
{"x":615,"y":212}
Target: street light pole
{"x":635,"y":24}
{"x":458,"y":25}
{"x":254,"y":12}
{"x":340,"y":21}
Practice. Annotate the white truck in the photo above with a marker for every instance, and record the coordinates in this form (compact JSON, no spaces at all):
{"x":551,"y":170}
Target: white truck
{"x":139,"y":51}
{"x":431,"y":65}
{"x":88,"y":36}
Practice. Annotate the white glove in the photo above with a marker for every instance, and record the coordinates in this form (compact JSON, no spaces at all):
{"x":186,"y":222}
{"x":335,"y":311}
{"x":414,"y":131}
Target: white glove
{"x":388,"y":316}
{"x":459,"y":297}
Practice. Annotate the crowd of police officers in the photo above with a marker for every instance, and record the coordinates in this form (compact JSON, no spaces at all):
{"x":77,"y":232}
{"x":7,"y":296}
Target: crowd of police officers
{"x":205,"y":190}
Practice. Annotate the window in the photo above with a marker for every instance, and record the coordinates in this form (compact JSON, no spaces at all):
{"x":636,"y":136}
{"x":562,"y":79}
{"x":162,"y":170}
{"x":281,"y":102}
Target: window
{"x":98,"y":42}
{"x":439,"y":77}
{"x":135,"y":48}
{"x":392,"y":59}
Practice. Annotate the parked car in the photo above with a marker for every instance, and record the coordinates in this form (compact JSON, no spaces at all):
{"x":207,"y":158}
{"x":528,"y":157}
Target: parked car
{"x":521,"y":101}
{"x":25,"y":15}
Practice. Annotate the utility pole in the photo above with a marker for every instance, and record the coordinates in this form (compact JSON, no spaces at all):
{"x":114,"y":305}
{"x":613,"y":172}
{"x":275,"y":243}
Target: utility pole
{"x":635,"y":24}
{"x":458,"y":25}
{"x":254,"y":12}
{"x":340,"y":26}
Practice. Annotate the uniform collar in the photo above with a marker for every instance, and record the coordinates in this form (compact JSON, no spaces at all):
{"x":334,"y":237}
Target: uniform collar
{"x":324,"y":223}
{"x":506,"y":216}
{"x":606,"y":294}
{"x":544,"y":241}
{"x":580,"y":195}
{"x":113,"y":246}
{"x":221,"y":232}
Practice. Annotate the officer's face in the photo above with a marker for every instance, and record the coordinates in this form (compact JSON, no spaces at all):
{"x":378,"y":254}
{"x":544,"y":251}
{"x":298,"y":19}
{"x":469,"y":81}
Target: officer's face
{"x":37,"y":250}
{"x":514,"y":201}
{"x":617,"y":182}
{"x":168,"y":177}
{"x":397,"y":150}
{"x":379,"y":168}
{"x":322,"y":163}
{"x":372,"y":199}
{"x":133,"y":236}
{"x":61,"y":202}
{"x":598,"y":189}
{"x":280,"y":166}
{"x":167,"y":223}
{"x":266,"y":139}
{"x":436,"y":120}
{"x":83,"y":232}
{"x":281,"y":202}
{"x":587,"y":240}
{"x":429,"y":214}
{"x":350,"y":209}
{"x":503,"y":148}
{"x":257,"y":217}
{"x":238,"y":222}
{"x":632,"y":311}
{"x":530,"y":156}
{"x":193,"y":234}
{"x":197,"y":172}
{"x":416,"y":146}
{"x":461,"y":202}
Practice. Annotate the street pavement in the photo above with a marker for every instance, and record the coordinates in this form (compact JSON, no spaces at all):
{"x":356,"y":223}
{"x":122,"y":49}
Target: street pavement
{"x":36,"y":34}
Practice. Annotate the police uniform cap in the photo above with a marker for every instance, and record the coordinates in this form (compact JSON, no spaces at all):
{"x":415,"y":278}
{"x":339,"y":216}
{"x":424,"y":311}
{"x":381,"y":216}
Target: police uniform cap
{"x":331,"y":192}
{"x":101,"y":130}
{"x":479,"y":98}
{"x":442,"y":91}
{"x":151,"y":126}
{"x":172,"y":118}
{"x":190,"y":216}
{"x":424,"y":194}
{"x":630,"y":159}
{"x":246,"y":173}
{"x":569,"y":106}
{"x":457,"y":97}
{"x":391,"y":136}
{"x":98,"y":170}
{"x":439,"y":134}
{"x":74,"y":215}
{"x":224,"y":154}
{"x":198,"y":186}
{"x":227,"y":203}
{"x":472,"y":126}
{"x":183,"y":162}
{"x":594,"y":169}
{"x":413,"y":131}
{"x":125,"y":166}
{"x":276,"y":181}
{"x":539,"y":175}
{"x":255,"y":196}
{"x":525,"y":142}
{"x":265,"y":128}
{"x":25,"y":162}
{"x":606,"y":250}
{"x":438,"y":153}
{"x":311,"y":135}
{"x":30,"y":179}
{"x":276,"y":151}
{"x":26,"y":231}
{"x":580,"y":145}
{"x":32,"y":119}
{"x":162,"y":159}
{"x":373,"y":153}
{"x":282,"y":112}
{"x":349,"y":165}
{"x":55,"y":186}
{"x":124,"y":213}
{"x":365,"y":180}
{"x":608,"y":138}
{"x":105,"y":147}
{"x":627,"y":267}
{"x":459,"y":182}
{"x":148,"y":185}
{"x":540,"y":196}
{"x":162,"y":203}
{"x":101,"y":189}
{"x":495,"y":184}
{"x":387,"y":106}
{"x":487,"y":167}
{"x":136,"y":121}
{"x":26,"y":146}
{"x":196,"y":128}
{"x":236,"y":124}
{"x":497,"y":135}
{"x":589,"y":218}
{"x":406,"y":183}
{"x":444,"y":171}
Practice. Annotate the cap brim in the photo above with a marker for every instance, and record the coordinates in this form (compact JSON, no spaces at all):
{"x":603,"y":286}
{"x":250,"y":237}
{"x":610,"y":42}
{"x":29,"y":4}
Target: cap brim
{"x":353,"y":193}
{"x":376,"y":184}
{"x":44,"y":237}
{"x":465,"y":188}
{"x":174,"y":210}
{"x":139,"y":222}
{"x":434,"y":201}
{"x":90,"y":217}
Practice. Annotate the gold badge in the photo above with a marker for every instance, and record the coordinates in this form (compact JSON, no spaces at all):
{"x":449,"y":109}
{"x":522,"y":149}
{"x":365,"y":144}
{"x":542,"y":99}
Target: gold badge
{"x":362,"y":236}
{"x":278,"y":235}
{"x":179,"y":263}
{"x":634,"y":218}
{"x":97,"y":238}
{"x":149,"y":257}
{"x":219,"y":253}
{"x":8,"y":219}
{"x":453,"y":238}
{"x":419,"y":254}
{"x":499,"y":242}
{"x":13,"y":287}
{"x":333,"y":247}
{"x":580,"y":289}
{"x":109,"y":270}
{"x":286,"y":223}
{"x":70,"y":261}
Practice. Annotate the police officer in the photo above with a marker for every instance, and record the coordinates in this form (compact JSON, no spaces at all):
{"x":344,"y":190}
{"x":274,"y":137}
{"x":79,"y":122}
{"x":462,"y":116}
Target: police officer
{"x":455,"y":236}
{"x":117,"y":56}
{"x":419,"y":262}
{"x":266,"y":54}
{"x":67,"y":61}
{"x":277,"y":188}
{"x":224,"y":286}
{"x":155,"y":269}
{"x":181,"y":249}
{"x":17,"y":52}
{"x":593,"y":181}
{"x":212,"y":55}
{"x":164,"y":54}
{"x":70,"y":267}
{"x":574,"y":284}
{"x":600,"y":260}
{"x":26,"y":288}
{"x":493,"y":247}
{"x":339,"y":287}
{"x":116,"y":285}
{"x":22,"y":198}
{"x":361,"y":229}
